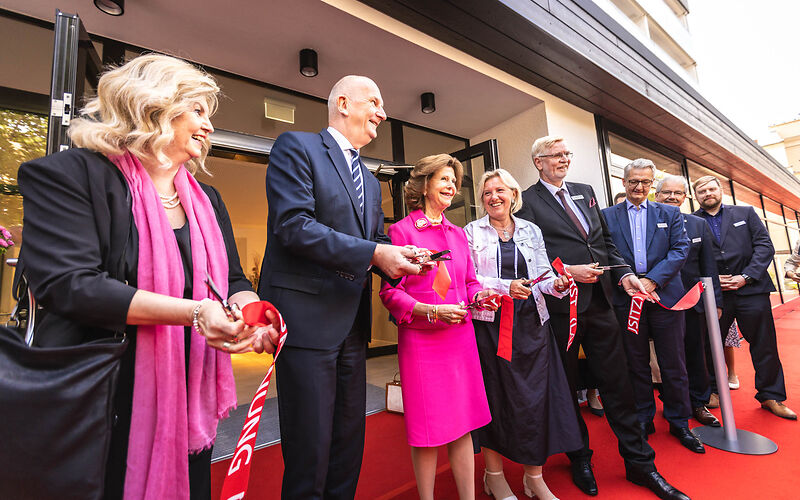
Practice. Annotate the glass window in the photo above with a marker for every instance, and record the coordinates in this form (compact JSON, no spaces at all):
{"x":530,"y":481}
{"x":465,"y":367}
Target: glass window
{"x":747,"y":197}
{"x":23,"y":137}
{"x":697,"y":171}
{"x":623,"y":151}
{"x":776,"y":227}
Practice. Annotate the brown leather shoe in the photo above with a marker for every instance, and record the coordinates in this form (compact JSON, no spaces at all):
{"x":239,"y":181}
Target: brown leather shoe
{"x":705,"y":417}
{"x":713,"y":401}
{"x":779,"y":409}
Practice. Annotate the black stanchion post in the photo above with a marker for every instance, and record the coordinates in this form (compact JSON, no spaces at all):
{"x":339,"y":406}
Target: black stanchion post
{"x":727,"y":437}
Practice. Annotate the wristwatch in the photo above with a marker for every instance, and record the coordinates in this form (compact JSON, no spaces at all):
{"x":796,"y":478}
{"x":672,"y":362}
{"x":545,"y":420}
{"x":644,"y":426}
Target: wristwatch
{"x":747,"y":279}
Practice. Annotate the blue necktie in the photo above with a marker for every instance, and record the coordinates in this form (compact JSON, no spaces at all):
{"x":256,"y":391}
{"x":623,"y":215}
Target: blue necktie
{"x":358,"y":182}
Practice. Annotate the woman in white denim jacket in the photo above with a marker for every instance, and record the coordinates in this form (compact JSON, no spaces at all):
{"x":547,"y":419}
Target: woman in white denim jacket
{"x":533,"y":415}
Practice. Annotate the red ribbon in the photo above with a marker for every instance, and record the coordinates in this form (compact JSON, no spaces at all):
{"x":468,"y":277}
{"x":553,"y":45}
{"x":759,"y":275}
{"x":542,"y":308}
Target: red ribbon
{"x":235,"y":485}
{"x":637,"y":300}
{"x":573,"y":300}
{"x":505,"y":338}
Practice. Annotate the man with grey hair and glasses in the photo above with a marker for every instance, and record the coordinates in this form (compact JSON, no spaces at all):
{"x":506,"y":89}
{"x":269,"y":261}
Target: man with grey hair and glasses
{"x":575,"y":231}
{"x":672,"y":190}
{"x":651,"y":238}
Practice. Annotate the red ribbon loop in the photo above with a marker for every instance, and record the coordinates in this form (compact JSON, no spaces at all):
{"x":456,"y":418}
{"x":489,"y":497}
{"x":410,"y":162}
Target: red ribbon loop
{"x":235,"y":485}
{"x":637,"y":301}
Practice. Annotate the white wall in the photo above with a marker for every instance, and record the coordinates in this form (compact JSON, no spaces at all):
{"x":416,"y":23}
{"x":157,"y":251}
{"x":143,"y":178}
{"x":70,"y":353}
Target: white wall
{"x":552,"y":117}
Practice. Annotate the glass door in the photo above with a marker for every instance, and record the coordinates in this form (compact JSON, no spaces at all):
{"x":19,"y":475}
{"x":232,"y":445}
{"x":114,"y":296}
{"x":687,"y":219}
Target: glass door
{"x":477,"y":159}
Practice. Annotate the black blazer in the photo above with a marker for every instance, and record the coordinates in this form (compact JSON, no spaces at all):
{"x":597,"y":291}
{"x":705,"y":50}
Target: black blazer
{"x":563,"y":240}
{"x":744,"y":248}
{"x":700,"y":261}
{"x":319,"y":245}
{"x":78,"y":227}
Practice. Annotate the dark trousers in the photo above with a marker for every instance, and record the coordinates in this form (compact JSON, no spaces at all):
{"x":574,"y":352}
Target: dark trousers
{"x":696,"y":368}
{"x":753,"y":314}
{"x":666,"y":328}
{"x":598,"y":332}
{"x":322,"y":403}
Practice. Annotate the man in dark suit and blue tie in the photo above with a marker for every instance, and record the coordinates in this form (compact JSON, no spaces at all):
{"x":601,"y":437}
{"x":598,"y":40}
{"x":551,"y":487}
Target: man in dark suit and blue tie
{"x":744,"y":252}
{"x":575,"y":231}
{"x":324,"y":231}
{"x":651,"y":238}
{"x":672,"y":190}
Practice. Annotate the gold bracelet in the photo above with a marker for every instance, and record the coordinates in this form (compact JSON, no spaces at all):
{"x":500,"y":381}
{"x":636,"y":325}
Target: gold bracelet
{"x":435,"y":313}
{"x":195,"y":315}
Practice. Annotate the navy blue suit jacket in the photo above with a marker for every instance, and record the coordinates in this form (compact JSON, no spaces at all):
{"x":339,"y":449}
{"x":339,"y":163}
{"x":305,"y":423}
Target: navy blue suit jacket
{"x":701,"y":260}
{"x":319,"y":244}
{"x":666,"y":244}
{"x":745,"y":248}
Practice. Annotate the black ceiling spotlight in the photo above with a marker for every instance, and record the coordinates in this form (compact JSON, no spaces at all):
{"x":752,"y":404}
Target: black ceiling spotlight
{"x":111,"y":7}
{"x":428,"y":102}
{"x":308,"y":63}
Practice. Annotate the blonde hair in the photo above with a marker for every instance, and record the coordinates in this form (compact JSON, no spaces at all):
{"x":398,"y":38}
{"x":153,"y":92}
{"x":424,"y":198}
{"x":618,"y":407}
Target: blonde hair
{"x":543,"y":144}
{"x":510,"y":182}
{"x":702,"y":181}
{"x":414,"y":192}
{"x":136,"y":104}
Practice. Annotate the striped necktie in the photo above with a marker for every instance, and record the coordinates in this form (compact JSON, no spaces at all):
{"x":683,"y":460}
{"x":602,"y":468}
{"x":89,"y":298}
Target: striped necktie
{"x":358,"y":181}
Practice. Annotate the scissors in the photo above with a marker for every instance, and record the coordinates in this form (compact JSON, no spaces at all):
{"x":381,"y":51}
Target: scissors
{"x":434,"y":257}
{"x":493,"y":299}
{"x":534,"y":281}
{"x":215,"y":292}
{"x":608,"y":268}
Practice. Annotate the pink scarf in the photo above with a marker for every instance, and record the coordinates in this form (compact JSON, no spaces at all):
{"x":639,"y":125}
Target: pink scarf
{"x":168,"y":422}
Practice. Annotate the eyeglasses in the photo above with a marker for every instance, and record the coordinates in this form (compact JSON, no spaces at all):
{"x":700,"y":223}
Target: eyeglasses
{"x":672,"y":193}
{"x":644,"y":182}
{"x":566,"y":154}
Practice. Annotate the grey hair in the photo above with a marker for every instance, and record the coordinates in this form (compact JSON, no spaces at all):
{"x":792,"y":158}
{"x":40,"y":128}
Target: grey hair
{"x":639,"y":163}
{"x":674,"y":178}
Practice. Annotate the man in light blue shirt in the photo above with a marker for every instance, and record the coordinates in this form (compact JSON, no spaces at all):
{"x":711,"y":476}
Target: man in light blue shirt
{"x":651,"y":239}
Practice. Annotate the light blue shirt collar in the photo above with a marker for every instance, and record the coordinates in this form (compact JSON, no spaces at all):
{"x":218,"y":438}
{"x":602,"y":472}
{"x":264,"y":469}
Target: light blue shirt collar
{"x":628,"y":204}
{"x":553,"y":189}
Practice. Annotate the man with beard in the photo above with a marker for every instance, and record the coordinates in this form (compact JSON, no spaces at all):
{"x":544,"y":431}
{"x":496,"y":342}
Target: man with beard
{"x":744,"y":252}
{"x":672,"y":190}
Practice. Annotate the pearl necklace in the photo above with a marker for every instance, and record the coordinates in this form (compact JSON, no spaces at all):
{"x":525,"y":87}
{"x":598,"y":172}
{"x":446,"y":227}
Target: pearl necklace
{"x":170,"y":201}
{"x":434,"y":221}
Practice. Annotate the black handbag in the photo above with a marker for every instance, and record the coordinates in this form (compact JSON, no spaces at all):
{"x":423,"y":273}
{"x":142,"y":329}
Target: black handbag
{"x":56,"y":408}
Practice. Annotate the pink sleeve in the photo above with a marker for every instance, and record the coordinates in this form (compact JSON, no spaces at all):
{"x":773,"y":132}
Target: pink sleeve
{"x":399,"y":303}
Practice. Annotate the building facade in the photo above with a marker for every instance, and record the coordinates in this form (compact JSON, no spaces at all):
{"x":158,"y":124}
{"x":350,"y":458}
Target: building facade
{"x":617,"y":78}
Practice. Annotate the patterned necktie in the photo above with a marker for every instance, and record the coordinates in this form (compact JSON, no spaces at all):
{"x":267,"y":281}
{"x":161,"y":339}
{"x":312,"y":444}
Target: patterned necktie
{"x":358,"y":182}
{"x":562,"y":194}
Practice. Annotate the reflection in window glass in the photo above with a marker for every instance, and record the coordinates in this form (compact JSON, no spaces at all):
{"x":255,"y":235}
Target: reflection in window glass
{"x":624,"y":151}
{"x":23,"y":137}
{"x":697,"y":171}
{"x":747,"y":197}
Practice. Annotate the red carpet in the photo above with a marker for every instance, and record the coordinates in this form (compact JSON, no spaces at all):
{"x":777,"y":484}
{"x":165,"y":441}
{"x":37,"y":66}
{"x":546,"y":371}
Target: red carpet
{"x":387,"y":473}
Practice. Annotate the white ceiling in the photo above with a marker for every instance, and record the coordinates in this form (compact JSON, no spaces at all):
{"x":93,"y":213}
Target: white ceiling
{"x":261,"y":40}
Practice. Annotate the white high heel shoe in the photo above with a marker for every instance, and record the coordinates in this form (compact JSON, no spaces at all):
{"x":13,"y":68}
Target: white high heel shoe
{"x":504,"y":486}
{"x":529,"y":491}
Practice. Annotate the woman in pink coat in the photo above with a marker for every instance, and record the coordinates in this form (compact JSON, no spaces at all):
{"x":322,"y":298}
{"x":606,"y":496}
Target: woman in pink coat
{"x":443,"y":393}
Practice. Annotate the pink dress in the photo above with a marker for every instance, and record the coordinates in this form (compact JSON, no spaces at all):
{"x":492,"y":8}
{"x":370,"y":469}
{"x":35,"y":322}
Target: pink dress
{"x":443,"y":392}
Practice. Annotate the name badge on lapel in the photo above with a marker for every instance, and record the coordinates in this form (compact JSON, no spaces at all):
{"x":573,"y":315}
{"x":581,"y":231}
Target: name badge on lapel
{"x":740,"y":223}
{"x":577,"y":197}
{"x":662,"y":225}
{"x":697,"y":240}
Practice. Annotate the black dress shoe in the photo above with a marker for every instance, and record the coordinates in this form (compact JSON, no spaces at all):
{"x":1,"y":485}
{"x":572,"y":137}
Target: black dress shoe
{"x":647,"y":429}
{"x":705,"y":417}
{"x":687,"y":439}
{"x":583,"y":477}
{"x":655,"y":483}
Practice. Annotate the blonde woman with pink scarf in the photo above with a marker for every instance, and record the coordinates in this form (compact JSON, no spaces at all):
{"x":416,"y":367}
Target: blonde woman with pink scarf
{"x":125,"y":202}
